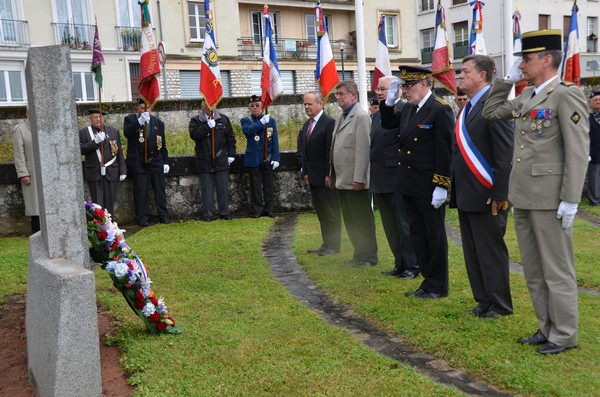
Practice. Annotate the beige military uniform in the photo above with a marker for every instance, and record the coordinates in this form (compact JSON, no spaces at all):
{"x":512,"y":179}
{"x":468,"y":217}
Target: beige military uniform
{"x":549,"y":166}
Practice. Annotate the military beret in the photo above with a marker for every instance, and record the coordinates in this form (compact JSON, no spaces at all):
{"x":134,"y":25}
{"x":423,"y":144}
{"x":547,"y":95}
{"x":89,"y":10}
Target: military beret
{"x":95,"y":111}
{"x":255,"y":98}
{"x":595,"y":93}
{"x":374,"y":101}
{"x":139,"y":101}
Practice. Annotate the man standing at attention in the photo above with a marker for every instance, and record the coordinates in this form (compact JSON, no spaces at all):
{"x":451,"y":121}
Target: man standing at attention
{"x":593,"y":173}
{"x":261,"y":157}
{"x":314,"y":143}
{"x":551,"y":146}
{"x":147,"y":158}
{"x":425,"y":125}
{"x":349,"y":173}
{"x":215,"y":151}
{"x":104,"y":161}
{"x":482,"y":155}
{"x":384,"y":179}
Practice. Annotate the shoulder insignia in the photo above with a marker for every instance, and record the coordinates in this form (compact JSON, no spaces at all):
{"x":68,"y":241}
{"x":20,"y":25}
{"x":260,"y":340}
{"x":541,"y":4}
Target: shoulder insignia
{"x":575,"y":117}
{"x":440,"y":100}
{"x":441,"y":180}
{"x":567,"y":83}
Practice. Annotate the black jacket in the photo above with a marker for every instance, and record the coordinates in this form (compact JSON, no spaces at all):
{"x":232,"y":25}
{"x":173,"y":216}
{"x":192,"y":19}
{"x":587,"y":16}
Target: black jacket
{"x":154,"y":145}
{"x":224,"y":142}
{"x":314,"y":154}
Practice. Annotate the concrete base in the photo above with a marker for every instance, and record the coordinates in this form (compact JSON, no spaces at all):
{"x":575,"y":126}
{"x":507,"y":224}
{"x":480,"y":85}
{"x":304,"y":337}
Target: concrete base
{"x":61,"y":323}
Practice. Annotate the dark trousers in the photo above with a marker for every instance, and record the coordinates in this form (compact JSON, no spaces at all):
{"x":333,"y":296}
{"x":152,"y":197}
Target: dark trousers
{"x":104,"y":193}
{"x":397,"y":230}
{"x":141,"y":195}
{"x":208,"y":182}
{"x":327,"y":207}
{"x":428,"y":235}
{"x":360,"y":223}
{"x":593,"y":183}
{"x":486,"y":258}
{"x":35,"y":224}
{"x":261,"y":188}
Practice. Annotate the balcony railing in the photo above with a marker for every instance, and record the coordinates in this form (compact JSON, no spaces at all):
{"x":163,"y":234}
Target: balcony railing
{"x":461,"y":49}
{"x":130,"y":37}
{"x":427,"y":55}
{"x":78,"y":37}
{"x":14,"y":33}
{"x":294,"y":49}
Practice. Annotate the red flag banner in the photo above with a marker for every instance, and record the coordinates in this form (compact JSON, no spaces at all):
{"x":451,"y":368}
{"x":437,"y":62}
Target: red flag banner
{"x":210,"y":71}
{"x":148,"y":86}
{"x":441,"y":66}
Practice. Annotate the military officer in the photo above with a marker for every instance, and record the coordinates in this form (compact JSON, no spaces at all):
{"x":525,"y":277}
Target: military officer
{"x":549,"y":164}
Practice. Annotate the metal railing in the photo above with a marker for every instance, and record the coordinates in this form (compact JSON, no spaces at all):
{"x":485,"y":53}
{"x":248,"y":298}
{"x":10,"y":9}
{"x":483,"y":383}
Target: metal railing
{"x":130,"y":37}
{"x":294,"y":48}
{"x":76,"y":36}
{"x":426,"y":55}
{"x":461,"y":49}
{"x":14,"y":33}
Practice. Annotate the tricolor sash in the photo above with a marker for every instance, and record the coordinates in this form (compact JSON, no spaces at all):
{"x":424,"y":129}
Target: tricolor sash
{"x":475,"y":161}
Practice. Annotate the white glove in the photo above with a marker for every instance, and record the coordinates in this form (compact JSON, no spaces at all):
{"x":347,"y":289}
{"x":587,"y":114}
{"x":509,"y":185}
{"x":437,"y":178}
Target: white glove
{"x":144,"y":118}
{"x":392,"y":95}
{"x":514,"y":73}
{"x":122,"y":178}
{"x":439,"y":197}
{"x":230,"y":160}
{"x":589,"y":158}
{"x":166,"y":168}
{"x":566,"y":211}
{"x":275,"y":164}
{"x":211,"y":122}
{"x":265,"y":119}
{"x":100,"y":137}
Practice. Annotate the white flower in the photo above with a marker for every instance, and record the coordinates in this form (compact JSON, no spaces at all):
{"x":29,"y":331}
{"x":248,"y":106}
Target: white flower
{"x":110,"y":266}
{"x":148,"y":309}
{"x":121,"y":270}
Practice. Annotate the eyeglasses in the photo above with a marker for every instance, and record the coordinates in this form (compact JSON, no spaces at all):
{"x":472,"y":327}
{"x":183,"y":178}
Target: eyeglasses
{"x":410,"y":84}
{"x":381,"y":89}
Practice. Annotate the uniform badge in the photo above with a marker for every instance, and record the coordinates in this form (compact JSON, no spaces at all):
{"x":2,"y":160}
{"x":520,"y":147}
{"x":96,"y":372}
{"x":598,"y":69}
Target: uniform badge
{"x":114,"y":148}
{"x":575,"y":117}
{"x":159,"y":142}
{"x":141,"y":138}
{"x":516,"y":112}
{"x":269,"y":132}
{"x":256,"y":138}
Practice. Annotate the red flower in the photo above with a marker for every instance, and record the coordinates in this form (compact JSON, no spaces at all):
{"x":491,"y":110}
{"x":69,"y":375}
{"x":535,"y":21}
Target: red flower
{"x":155,"y":317}
{"x":154,"y":300}
{"x":130,"y":266}
{"x":102,"y":235}
{"x":140,"y":303}
{"x":99,"y":213}
{"x":139,"y":295}
{"x":114,"y":245}
{"x":128,"y":286}
{"x":161,"y":326}
{"x":171,"y":319}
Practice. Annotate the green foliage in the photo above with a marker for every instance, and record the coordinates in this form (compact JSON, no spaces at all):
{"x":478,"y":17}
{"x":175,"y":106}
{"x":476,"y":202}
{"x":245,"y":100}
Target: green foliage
{"x":6,"y":151}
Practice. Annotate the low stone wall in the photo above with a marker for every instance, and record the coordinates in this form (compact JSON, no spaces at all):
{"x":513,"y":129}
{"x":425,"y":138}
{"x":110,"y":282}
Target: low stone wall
{"x":182,"y":188}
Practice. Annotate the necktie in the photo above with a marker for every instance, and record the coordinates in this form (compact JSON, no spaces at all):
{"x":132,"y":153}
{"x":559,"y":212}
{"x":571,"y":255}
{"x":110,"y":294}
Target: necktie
{"x":532,"y":94}
{"x":413,"y":111}
{"x":309,"y":130}
{"x":467,"y":108}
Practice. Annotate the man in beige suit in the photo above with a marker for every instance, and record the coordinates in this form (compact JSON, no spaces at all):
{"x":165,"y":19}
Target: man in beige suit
{"x":549,"y":166}
{"x":25,"y":166}
{"x":349,"y":173}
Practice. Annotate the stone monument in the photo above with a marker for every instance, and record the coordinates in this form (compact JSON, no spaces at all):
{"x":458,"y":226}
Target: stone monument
{"x":61,"y":316}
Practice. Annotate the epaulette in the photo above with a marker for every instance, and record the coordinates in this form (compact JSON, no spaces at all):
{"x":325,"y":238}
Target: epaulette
{"x":440,"y":100}
{"x":567,"y":83}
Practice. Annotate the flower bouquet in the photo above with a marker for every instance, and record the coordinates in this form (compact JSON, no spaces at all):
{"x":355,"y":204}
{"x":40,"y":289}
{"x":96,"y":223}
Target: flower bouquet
{"x":127,"y":271}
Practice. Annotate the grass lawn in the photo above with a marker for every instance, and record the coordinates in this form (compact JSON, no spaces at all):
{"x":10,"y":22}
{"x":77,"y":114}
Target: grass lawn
{"x":245,"y":336}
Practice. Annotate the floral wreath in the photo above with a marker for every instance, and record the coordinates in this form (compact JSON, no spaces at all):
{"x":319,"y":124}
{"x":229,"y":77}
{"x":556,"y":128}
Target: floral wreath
{"x":127,"y":271}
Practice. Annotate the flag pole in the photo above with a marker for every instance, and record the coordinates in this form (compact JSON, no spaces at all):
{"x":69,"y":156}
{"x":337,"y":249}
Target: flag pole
{"x":99,"y":98}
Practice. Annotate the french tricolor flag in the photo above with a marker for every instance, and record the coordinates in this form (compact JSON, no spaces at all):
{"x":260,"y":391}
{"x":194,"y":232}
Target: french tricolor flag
{"x":441,"y":65}
{"x":476,"y":42}
{"x":571,"y":69}
{"x":382,"y":59}
{"x":325,"y":72}
{"x":210,"y":71}
{"x":270,"y":79}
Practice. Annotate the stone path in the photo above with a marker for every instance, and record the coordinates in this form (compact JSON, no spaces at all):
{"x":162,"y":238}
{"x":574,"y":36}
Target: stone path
{"x":278,"y":252}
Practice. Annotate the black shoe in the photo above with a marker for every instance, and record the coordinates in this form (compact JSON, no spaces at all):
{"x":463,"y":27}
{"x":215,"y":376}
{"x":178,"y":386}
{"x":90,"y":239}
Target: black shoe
{"x":489,"y":314}
{"x":143,"y":224}
{"x":226,"y":217}
{"x":257,"y":215}
{"x":208,"y":219}
{"x":327,"y":252}
{"x":407,"y":274}
{"x":270,"y":214}
{"x":364,"y":263}
{"x":536,"y":339}
{"x":430,"y":295}
{"x":553,"y":348}
{"x":418,"y":292}
{"x":394,"y":272}
{"x":166,"y":221}
{"x":316,"y":251}
{"x":478,"y":310}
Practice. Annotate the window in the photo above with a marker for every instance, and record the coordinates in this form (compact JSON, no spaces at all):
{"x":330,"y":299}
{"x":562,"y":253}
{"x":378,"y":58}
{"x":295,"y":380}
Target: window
{"x":311,"y":28}
{"x":258,"y":26}
{"x":543,"y":21}
{"x":73,"y":22}
{"x":12,"y":83}
{"x":428,"y":39}
{"x":426,"y":5}
{"x":391,"y":30}
{"x":197,"y":21}
{"x":457,"y":2}
{"x":129,"y":13}
{"x":592,"y":34}
{"x":84,"y":87}
{"x":461,"y":33}
{"x":345,"y":76}
{"x":189,"y":84}
{"x":566,"y":23}
{"x":8,"y":30}
{"x":287,"y":78}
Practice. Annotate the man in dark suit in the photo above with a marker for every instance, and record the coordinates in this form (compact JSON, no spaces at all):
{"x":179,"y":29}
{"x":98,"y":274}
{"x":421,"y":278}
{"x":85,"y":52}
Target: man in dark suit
{"x":425,"y":124}
{"x":349,"y":173}
{"x":147,"y":158}
{"x":481,"y":162}
{"x":384,"y":179}
{"x":593,"y":172}
{"x":104,"y":161}
{"x":314,"y":143}
{"x":261,"y":165}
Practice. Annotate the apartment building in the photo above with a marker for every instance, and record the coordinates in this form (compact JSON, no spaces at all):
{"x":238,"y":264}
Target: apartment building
{"x":180,"y":26}
{"x":535,"y":14}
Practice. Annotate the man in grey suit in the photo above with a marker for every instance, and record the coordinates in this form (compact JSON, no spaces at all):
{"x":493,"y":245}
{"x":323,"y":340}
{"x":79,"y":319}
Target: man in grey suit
{"x":481,"y":162}
{"x":349,"y":173}
{"x":549,"y":165}
{"x":314,"y":143}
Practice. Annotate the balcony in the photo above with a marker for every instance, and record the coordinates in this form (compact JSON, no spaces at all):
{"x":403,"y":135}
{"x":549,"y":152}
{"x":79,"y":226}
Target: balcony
{"x":427,"y":55}
{"x":130,"y":38}
{"x":77,"y":37}
{"x":14,"y":33}
{"x":461,"y":49}
{"x":294,"y":49}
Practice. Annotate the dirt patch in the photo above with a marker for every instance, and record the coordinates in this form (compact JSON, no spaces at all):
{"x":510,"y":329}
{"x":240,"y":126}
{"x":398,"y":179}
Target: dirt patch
{"x":13,"y":351}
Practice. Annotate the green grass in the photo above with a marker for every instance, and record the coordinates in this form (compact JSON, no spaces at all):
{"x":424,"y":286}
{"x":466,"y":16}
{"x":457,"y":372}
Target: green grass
{"x":13,"y":266}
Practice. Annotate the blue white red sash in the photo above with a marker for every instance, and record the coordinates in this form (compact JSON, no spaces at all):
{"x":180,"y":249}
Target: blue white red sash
{"x":475,"y":161}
